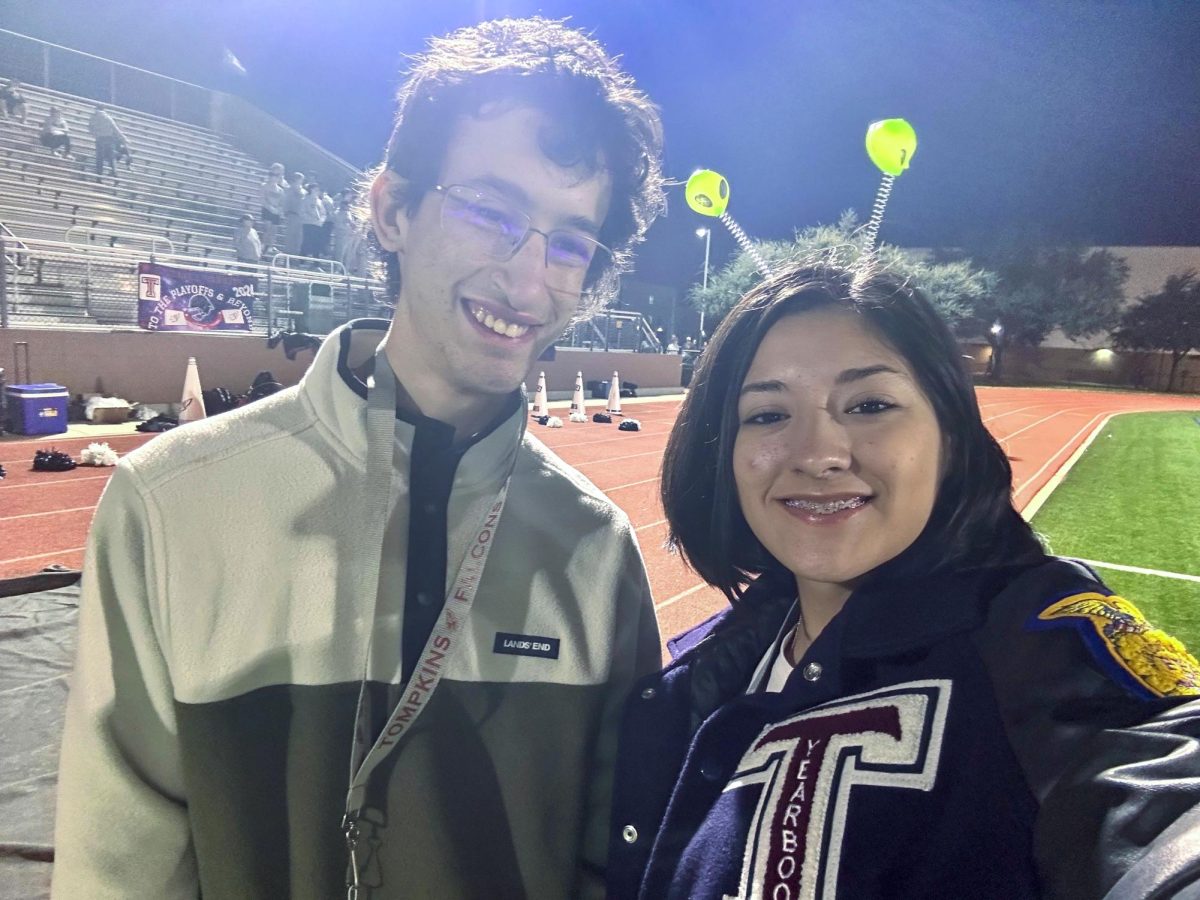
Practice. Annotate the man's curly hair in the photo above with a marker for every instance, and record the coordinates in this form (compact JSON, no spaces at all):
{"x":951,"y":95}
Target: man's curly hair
{"x":597,"y":120}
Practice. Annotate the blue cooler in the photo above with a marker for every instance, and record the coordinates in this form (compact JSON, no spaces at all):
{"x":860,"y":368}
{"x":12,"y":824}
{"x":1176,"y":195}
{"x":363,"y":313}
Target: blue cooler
{"x":37,"y":408}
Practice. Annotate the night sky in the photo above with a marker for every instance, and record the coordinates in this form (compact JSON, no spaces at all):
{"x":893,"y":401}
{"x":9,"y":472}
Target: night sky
{"x":1079,"y":119}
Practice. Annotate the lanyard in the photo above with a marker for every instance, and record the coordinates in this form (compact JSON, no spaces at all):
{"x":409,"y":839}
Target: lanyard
{"x":448,"y":633}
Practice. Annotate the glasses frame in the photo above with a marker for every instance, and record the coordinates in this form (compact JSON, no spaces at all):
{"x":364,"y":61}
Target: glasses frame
{"x":521,"y":217}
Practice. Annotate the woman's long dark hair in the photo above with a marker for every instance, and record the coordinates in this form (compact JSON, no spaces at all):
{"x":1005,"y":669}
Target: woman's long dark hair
{"x":973,"y":522}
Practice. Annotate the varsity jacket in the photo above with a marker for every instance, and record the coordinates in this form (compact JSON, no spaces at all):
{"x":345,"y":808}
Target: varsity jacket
{"x":224,"y":623}
{"x":984,"y":734}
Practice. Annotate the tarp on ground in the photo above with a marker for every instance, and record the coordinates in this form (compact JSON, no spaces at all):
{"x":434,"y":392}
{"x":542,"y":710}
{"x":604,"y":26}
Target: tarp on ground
{"x":37,"y":649}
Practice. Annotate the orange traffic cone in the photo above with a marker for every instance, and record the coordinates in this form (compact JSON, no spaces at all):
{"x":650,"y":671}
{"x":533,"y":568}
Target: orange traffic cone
{"x":614,"y":395}
{"x":191,"y":405}
{"x":539,"y":401}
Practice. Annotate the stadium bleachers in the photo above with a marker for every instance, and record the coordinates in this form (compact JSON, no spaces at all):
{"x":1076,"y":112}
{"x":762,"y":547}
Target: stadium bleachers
{"x":180,"y":200}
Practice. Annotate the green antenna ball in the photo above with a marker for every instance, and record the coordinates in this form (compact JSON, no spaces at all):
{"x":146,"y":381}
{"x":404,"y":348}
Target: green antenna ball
{"x":891,"y":144}
{"x":707,"y":192}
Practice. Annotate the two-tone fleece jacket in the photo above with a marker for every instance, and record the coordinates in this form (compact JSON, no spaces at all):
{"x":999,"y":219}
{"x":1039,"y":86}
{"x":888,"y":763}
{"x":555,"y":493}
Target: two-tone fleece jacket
{"x":223,"y":626}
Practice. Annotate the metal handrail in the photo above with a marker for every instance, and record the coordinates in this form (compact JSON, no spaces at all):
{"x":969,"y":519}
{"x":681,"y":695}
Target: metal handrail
{"x":152,"y":239}
{"x":104,"y":59}
{"x":289,"y":258}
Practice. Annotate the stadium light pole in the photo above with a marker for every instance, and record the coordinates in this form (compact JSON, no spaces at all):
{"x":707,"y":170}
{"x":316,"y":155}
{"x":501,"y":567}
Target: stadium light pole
{"x":705,"y":233}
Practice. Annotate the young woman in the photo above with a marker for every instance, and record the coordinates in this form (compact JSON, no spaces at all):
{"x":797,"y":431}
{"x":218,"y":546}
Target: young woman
{"x":907,"y":697}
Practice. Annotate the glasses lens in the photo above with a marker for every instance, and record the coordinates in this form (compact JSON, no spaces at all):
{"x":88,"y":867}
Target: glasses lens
{"x":484,"y":219}
{"x":567,"y":248}
{"x":570,"y":256}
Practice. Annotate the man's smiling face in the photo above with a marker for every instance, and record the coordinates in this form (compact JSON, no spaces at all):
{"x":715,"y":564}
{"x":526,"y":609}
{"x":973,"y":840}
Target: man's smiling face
{"x":468,"y":325}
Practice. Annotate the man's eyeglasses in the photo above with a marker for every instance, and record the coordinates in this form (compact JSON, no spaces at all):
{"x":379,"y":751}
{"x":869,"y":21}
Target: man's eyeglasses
{"x":496,"y":228}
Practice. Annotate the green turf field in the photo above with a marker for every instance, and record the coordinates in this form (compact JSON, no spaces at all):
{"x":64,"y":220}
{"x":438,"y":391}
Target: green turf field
{"x":1134,"y":499}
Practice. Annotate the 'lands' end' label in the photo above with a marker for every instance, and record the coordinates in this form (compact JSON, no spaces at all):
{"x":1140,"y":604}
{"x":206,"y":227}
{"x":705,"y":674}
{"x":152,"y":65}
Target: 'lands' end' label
{"x":526,"y":645}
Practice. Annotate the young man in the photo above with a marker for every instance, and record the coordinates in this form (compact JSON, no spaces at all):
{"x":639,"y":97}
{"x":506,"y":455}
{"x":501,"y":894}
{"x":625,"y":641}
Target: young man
{"x":366,"y":637}
{"x":108,"y":137}
{"x":270,"y":195}
{"x":247,"y":246}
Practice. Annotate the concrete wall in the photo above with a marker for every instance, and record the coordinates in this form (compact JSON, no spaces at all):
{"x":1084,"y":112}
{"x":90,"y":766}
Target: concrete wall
{"x":143,"y":366}
{"x":1145,"y":370}
{"x":148,"y":367}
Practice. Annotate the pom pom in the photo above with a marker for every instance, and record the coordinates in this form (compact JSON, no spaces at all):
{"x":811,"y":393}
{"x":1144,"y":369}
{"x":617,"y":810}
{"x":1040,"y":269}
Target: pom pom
{"x":52,"y":461}
{"x":98,"y":455}
{"x":578,"y":417}
{"x":630,"y":425}
{"x":553,"y":422}
{"x":602,"y":418}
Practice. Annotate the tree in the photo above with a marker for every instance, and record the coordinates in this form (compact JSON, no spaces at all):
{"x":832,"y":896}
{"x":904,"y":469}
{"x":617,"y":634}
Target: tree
{"x":953,"y":287}
{"x":1039,"y":288}
{"x":1168,"y":320}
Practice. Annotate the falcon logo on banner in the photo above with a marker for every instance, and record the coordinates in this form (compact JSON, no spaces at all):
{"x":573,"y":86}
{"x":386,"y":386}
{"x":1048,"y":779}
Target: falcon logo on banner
{"x":174,"y":299}
{"x":807,"y":770}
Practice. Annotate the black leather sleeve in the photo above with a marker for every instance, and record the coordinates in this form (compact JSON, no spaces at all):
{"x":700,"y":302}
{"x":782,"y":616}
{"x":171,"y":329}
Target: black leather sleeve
{"x":1117,"y":775}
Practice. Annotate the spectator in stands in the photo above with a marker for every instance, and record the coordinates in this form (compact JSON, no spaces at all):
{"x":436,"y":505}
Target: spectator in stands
{"x":56,"y":134}
{"x":327,"y":227}
{"x":673,"y":345}
{"x":342,"y":223}
{"x":312,"y":217}
{"x":356,"y":254}
{"x":293,"y":201}
{"x":107,"y":137}
{"x":688,"y":343}
{"x":262,"y":588}
{"x":246,"y":243}
{"x":270,"y":196}
{"x":12,"y":101}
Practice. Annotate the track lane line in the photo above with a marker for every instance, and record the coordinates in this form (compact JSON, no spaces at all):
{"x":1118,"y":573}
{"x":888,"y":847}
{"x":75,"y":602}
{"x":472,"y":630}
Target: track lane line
{"x":1032,"y":478}
{"x":53,"y":512}
{"x":43,"y":555}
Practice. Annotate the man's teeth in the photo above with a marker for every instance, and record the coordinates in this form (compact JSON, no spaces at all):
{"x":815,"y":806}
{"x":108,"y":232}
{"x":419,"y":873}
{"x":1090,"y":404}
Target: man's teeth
{"x":825,"y":509}
{"x":498,"y":325}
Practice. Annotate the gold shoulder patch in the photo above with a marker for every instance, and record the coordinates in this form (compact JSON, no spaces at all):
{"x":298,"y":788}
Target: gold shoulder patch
{"x":1118,"y":633}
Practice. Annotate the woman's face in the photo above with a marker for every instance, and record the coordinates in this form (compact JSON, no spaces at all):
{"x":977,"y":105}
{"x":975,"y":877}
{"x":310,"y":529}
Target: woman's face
{"x":838,"y":454}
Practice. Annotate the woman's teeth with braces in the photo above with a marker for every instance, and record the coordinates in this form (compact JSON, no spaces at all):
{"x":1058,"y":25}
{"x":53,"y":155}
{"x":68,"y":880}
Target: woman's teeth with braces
{"x":825,"y":509}
{"x":508,"y":329}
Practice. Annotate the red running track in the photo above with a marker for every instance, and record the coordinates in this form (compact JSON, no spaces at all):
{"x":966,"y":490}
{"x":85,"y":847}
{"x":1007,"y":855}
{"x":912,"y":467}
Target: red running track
{"x":44,"y":517}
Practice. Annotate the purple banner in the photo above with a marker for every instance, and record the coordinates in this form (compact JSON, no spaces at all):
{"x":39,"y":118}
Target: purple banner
{"x":171,"y":299}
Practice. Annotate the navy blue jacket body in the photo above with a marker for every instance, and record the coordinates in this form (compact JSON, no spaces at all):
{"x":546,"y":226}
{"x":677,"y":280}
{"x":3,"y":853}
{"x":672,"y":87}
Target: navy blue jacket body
{"x":999,"y":733}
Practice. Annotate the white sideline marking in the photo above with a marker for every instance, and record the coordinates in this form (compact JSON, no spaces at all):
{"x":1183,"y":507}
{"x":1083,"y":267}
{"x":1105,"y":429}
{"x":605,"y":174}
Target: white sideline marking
{"x":1138,"y":570}
{"x":1043,"y":495}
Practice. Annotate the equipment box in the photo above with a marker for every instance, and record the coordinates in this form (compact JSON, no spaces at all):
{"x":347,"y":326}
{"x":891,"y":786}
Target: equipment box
{"x":37,"y":408}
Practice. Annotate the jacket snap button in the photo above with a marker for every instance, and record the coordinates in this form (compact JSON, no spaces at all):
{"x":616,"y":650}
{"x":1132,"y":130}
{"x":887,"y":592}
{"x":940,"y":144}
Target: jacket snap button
{"x":649,"y":693}
{"x":710,"y":771}
{"x":629,"y":834}
{"x":812,"y":672}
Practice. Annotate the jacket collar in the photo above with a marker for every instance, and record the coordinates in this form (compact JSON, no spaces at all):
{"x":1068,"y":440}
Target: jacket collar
{"x":338,"y":398}
{"x":881,"y":618}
